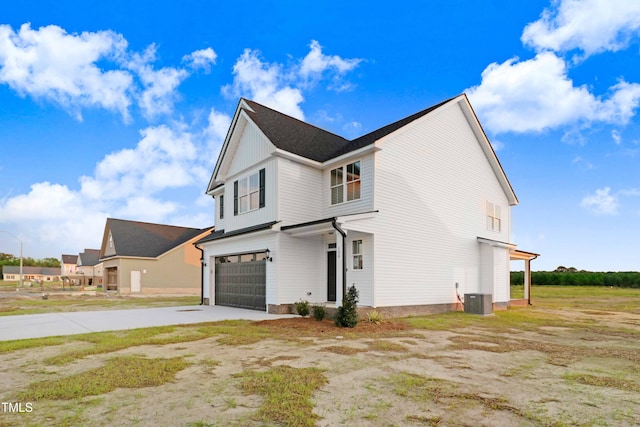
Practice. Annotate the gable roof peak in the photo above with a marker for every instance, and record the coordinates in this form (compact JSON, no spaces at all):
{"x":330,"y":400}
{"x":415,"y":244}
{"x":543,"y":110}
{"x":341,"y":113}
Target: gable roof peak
{"x":293,"y":135}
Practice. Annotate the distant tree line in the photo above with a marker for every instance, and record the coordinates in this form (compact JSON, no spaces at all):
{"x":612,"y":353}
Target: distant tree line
{"x":8,"y":259}
{"x":563,"y":276}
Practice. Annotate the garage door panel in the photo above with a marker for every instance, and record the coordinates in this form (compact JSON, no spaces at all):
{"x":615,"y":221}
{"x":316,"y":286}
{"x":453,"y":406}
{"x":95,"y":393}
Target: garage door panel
{"x":241,"y":285}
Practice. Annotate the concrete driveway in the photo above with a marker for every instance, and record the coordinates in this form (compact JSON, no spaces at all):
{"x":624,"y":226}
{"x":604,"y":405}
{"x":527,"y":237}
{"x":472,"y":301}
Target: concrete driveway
{"x":80,"y":322}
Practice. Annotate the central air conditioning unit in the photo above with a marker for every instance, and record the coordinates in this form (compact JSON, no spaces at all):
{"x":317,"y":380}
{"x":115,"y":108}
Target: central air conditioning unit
{"x":478,"y":303}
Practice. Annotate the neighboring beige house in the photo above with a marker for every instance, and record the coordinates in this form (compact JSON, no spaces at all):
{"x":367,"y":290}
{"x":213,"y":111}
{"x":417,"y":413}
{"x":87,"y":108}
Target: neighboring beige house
{"x":144,"y":258}
{"x":40,"y":274}
{"x":90,"y":268}
{"x":69,"y":265}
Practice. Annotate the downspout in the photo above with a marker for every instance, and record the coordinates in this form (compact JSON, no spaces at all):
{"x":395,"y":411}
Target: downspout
{"x":335,"y":225}
{"x":202,"y":265}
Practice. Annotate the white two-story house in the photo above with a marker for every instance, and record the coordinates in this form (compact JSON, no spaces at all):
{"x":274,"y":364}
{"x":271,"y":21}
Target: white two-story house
{"x":415,"y":214}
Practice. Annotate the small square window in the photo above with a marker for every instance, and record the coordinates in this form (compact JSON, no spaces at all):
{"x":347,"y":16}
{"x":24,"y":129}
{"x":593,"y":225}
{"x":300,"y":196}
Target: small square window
{"x":356,"y":251}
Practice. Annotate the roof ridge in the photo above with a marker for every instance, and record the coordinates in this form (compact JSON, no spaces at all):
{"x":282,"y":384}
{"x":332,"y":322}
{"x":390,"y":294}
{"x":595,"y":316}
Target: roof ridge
{"x":294,"y":118}
{"x":155,"y":223}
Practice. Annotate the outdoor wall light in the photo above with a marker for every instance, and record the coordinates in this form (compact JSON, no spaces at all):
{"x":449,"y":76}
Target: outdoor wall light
{"x":268,"y":253}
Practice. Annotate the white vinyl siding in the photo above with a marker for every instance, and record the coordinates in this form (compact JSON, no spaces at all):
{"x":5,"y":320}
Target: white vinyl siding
{"x":301,"y":267}
{"x":363,"y":279}
{"x":437,"y":164}
{"x":253,"y":147}
{"x":299,"y":192}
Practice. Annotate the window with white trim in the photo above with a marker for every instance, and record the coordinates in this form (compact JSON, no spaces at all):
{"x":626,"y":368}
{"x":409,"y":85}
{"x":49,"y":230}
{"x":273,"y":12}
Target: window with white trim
{"x":356,"y":252}
{"x":249,"y":193}
{"x":345,"y":183}
{"x":494,"y":219}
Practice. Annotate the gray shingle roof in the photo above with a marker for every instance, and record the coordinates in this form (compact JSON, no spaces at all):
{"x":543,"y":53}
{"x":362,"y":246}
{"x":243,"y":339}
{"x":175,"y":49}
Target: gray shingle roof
{"x":69,"y":259}
{"x":142,"y":239}
{"x":293,"y":135}
{"x":89,"y":257}
{"x":45,"y":271}
{"x":297,"y":137}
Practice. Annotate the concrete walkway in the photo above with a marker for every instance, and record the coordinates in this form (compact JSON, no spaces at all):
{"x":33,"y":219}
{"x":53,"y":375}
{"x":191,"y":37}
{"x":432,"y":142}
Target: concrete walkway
{"x":80,"y":322}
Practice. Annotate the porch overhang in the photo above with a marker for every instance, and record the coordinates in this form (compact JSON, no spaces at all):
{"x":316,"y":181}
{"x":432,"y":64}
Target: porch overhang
{"x":352,"y":222}
{"x":516,"y":255}
{"x":311,"y":228}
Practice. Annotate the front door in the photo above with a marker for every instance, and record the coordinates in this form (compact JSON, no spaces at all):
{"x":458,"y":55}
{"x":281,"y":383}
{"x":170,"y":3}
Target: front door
{"x":331,"y":276}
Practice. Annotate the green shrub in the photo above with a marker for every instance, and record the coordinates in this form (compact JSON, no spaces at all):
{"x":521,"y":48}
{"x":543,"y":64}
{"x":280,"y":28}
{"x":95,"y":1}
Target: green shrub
{"x":319,"y":312}
{"x":347,"y":315}
{"x":374,"y":316}
{"x":302,"y":307}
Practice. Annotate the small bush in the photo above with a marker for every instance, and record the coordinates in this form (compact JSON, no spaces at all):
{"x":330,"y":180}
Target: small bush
{"x":374,"y":316}
{"x":302,"y":307}
{"x":319,"y":312}
{"x":347,"y":315}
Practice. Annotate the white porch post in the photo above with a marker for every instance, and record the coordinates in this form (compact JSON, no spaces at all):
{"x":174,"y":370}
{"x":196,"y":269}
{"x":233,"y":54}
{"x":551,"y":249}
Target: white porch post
{"x":339,"y":269}
{"x":527,"y":280}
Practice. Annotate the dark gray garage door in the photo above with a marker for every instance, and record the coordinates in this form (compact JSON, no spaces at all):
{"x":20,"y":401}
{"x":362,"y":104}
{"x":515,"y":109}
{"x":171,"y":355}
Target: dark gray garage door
{"x":241,"y":284}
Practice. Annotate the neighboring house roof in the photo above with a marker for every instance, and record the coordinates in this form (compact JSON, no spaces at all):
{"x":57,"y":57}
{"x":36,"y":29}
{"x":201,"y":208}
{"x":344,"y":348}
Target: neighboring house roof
{"x":69,"y":259}
{"x":143,"y":239}
{"x":89,"y":257}
{"x":45,"y":271}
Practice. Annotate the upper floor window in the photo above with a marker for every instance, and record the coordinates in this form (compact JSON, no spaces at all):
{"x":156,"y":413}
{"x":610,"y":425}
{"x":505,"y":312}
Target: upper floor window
{"x":494,"y":219}
{"x":345,"y":183}
{"x":221,"y":202}
{"x":248,"y":193}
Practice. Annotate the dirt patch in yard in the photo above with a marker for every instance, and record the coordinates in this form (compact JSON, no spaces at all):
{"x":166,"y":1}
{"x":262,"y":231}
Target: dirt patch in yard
{"x":389,"y":374}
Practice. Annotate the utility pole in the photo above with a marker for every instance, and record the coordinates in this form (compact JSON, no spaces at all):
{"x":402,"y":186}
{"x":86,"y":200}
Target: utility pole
{"x":19,"y":240}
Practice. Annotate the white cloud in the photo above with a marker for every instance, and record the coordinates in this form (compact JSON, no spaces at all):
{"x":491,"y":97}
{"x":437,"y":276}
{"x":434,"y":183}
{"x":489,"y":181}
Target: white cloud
{"x":52,"y":215}
{"x":316,"y":64}
{"x":630,"y":192}
{"x":279,"y":87}
{"x":264,"y":83}
{"x":591,"y":26}
{"x":148,"y":209}
{"x":48,"y":63}
{"x":146,"y":182}
{"x":582,"y":162}
{"x":159,"y":86}
{"x":615,"y":135}
{"x":164,"y":158}
{"x":602,"y":202}
{"x":214,"y":134}
{"x":352,"y":129}
{"x":537,"y":94}
{"x":201,"y":59}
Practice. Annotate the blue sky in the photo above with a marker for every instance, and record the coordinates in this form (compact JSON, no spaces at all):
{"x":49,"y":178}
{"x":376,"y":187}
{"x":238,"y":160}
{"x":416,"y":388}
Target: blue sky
{"x":118,"y":109}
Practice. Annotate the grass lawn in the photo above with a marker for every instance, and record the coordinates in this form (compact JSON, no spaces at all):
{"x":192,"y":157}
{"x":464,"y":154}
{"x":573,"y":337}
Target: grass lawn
{"x":573,"y":358}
